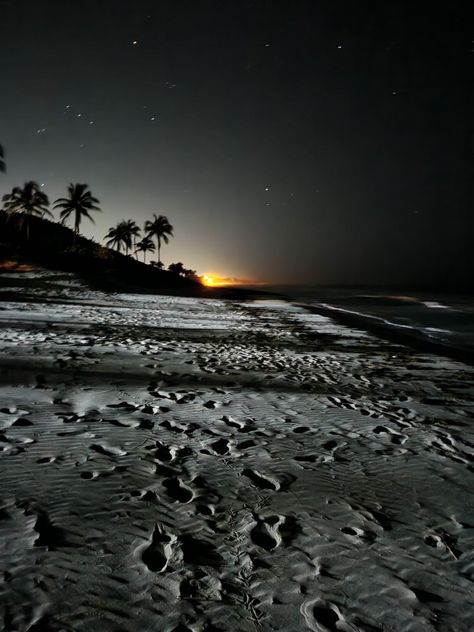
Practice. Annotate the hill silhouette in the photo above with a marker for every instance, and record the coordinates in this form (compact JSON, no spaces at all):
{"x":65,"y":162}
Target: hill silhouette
{"x":55,"y":246}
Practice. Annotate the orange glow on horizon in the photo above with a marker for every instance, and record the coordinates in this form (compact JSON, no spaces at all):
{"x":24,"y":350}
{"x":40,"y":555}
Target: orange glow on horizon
{"x":214,"y":280}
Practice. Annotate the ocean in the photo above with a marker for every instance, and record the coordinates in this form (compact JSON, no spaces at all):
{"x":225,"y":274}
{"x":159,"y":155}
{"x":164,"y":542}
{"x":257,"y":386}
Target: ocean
{"x":442,"y":321}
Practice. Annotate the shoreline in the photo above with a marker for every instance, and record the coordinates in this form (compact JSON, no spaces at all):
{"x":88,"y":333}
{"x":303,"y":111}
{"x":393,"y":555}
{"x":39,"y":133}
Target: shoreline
{"x":392,"y":332}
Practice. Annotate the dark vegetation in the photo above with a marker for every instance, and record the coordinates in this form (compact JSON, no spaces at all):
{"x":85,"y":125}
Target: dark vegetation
{"x":53,"y":245}
{"x":28,"y":237}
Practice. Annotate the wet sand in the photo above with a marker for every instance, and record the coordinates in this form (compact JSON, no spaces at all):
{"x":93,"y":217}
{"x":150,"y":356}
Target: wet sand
{"x":176,"y":464}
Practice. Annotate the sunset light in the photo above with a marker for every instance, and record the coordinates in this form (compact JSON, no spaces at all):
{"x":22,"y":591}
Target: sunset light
{"x":212,"y":280}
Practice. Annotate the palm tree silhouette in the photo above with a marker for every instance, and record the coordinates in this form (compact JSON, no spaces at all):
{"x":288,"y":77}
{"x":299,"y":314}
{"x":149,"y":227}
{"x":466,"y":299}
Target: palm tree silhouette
{"x":133,"y":231}
{"x":28,"y":201}
{"x":3,"y":166}
{"x":118,"y":236}
{"x":79,"y":203}
{"x":145,"y":245}
{"x":125,"y":231}
{"x":160,"y":228}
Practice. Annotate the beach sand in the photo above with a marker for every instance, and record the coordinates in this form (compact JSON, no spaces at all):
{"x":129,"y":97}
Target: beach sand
{"x":183,"y":464}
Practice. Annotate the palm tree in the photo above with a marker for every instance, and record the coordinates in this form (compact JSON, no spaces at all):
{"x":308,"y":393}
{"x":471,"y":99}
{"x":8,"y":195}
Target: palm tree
{"x":160,"y":228}
{"x":28,"y":201}
{"x":145,"y":245}
{"x":126,"y":233}
{"x":133,"y":231}
{"x":79,"y":203}
{"x":3,"y":166}
{"x":118,"y":236}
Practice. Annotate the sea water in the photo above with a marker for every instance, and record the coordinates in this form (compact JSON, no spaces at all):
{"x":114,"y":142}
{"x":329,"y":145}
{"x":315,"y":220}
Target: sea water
{"x":442,"y":318}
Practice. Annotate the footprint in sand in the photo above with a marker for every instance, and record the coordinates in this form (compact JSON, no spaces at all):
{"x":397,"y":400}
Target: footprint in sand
{"x":266,"y":533}
{"x":49,"y":536}
{"x":211,"y":404}
{"x":322,"y":616}
{"x":162,"y":452}
{"x":107,"y":450}
{"x":395,"y":437}
{"x":244,"y":445}
{"x":355,"y":532}
{"x":221,"y":446}
{"x":261,"y":481}
{"x":247,"y":426}
{"x":127,"y":406}
{"x":46,"y":459}
{"x":306,"y":458}
{"x":89,"y":475}
{"x":157,"y":554}
{"x":146,"y":424}
{"x":199,"y":552}
{"x":173,"y":426}
{"x":178,"y":490}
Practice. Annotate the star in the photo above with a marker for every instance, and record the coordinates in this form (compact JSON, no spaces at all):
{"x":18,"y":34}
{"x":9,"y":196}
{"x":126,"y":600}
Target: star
{"x":340,"y":46}
{"x":79,"y":115}
{"x":267,"y":188}
{"x":134,"y":42}
{"x":91,"y":122}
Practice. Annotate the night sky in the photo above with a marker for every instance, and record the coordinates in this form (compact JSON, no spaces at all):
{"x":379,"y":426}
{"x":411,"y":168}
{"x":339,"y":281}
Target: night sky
{"x":294,"y":142}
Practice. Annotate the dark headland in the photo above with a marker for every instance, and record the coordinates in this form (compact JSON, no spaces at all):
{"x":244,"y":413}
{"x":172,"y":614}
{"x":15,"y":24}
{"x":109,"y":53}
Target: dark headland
{"x":56,"y":247}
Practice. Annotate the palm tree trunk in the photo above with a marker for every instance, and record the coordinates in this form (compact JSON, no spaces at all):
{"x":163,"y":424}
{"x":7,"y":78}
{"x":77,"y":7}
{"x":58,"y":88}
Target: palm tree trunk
{"x":159,"y":246}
